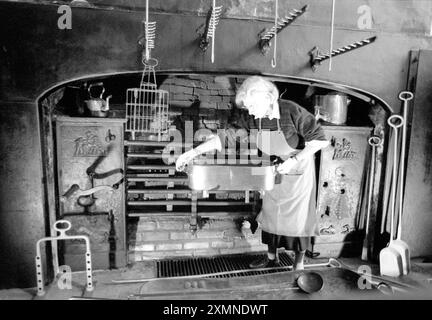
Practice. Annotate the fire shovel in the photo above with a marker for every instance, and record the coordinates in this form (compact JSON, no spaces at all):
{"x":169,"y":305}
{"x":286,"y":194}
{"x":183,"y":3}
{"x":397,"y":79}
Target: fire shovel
{"x":391,"y":259}
{"x":402,"y":246}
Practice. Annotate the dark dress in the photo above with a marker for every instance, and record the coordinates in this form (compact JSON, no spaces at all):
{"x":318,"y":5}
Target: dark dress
{"x":298,"y":126}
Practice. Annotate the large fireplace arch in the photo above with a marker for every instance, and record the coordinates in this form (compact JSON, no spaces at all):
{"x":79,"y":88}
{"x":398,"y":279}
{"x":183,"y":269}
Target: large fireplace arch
{"x":48,"y":108}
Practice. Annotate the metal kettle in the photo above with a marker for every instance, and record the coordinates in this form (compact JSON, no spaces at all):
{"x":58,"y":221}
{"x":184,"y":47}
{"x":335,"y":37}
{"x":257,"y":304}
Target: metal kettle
{"x":98,"y":107}
{"x":332,"y":107}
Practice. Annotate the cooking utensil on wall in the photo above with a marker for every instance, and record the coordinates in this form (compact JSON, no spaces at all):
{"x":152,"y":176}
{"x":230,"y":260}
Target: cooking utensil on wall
{"x":280,"y":24}
{"x":146,"y":106}
{"x":149,"y":33}
{"x":374,"y":142}
{"x":317,"y":56}
{"x":212,"y":21}
{"x":391,"y":259}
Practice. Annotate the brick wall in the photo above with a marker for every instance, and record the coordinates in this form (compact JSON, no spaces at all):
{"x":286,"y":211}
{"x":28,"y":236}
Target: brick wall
{"x":211,"y":95}
{"x":213,"y":92}
{"x":169,"y":236}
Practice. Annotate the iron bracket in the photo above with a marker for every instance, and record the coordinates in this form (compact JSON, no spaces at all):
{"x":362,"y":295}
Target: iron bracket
{"x":317,"y":56}
{"x":266,"y":36}
{"x":212,"y":19}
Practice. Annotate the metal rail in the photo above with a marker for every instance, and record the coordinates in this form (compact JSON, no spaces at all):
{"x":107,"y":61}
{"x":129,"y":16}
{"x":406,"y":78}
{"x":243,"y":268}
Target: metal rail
{"x":156,"y":179}
{"x":186,"y":202}
{"x":150,"y":167}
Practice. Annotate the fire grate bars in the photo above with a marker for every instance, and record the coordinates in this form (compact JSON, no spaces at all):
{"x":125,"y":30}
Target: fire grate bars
{"x":204,"y":265}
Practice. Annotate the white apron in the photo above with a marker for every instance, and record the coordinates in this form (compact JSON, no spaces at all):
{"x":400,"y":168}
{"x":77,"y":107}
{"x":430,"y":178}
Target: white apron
{"x":289,"y":209}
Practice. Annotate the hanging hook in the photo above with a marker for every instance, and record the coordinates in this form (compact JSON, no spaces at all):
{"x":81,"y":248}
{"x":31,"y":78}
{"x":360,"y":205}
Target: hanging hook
{"x":213,"y":18}
{"x":273,"y":62}
{"x":280,"y":96}
{"x":147,"y":39}
{"x":331,"y":33}
{"x":147,"y":51}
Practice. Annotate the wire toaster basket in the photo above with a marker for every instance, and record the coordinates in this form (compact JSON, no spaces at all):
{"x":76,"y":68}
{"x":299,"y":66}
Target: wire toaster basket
{"x":147,"y":106}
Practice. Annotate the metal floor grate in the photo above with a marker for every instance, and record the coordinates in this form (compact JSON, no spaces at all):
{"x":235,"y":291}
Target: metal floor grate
{"x":205,"y":265}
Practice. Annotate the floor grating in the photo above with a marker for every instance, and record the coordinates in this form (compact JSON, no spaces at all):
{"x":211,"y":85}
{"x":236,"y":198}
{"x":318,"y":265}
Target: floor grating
{"x":205,"y":265}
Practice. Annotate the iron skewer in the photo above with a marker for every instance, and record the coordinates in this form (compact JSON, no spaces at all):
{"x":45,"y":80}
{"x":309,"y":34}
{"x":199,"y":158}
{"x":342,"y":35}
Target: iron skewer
{"x":317,"y":56}
{"x":282,"y":23}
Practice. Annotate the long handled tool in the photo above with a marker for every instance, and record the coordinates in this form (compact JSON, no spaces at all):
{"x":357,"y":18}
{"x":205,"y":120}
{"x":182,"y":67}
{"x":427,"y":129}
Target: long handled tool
{"x":387,"y":187}
{"x":373,"y":142}
{"x":402,"y":246}
{"x":390,"y":258}
{"x":394,"y":285}
{"x":330,"y":263}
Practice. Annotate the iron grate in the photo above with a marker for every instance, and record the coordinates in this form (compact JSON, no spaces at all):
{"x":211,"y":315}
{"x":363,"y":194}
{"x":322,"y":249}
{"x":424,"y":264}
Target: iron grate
{"x":204,"y":265}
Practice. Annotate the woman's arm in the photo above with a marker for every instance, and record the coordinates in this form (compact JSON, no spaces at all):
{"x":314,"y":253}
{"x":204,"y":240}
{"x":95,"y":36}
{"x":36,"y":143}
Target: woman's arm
{"x":310,"y":148}
{"x":213,"y":143}
{"x":236,"y":128}
{"x":307,"y":127}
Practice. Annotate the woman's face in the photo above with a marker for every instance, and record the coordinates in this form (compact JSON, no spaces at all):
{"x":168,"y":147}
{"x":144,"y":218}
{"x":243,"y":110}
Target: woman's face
{"x":258,"y":103}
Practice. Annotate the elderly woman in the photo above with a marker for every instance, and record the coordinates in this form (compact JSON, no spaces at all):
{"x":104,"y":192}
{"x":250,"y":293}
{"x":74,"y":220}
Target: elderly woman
{"x":285,"y":129}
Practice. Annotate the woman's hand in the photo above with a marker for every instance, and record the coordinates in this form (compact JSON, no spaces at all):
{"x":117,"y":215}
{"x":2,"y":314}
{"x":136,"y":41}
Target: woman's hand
{"x":185,"y":158}
{"x":287,"y":166}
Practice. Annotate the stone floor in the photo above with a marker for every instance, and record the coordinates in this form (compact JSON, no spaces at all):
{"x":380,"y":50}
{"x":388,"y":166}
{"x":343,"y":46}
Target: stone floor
{"x":271,"y":286}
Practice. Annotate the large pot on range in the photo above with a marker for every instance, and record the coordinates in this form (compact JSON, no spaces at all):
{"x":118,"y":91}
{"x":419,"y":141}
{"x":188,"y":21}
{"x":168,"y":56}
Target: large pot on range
{"x":332,"y":107}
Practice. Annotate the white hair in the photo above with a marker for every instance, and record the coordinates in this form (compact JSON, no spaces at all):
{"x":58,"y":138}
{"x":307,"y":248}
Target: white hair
{"x":256,"y":83}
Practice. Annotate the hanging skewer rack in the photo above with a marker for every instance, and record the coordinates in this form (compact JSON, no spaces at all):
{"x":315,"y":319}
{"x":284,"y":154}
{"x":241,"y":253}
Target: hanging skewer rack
{"x":267,"y":35}
{"x":213,"y":16}
{"x":148,"y":33}
{"x":317,"y":56}
{"x":147,"y":38}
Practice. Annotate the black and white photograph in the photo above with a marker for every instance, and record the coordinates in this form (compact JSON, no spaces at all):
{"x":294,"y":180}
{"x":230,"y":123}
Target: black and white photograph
{"x":213,"y":157}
